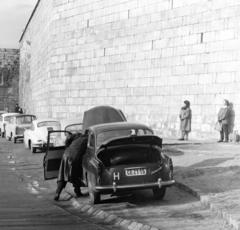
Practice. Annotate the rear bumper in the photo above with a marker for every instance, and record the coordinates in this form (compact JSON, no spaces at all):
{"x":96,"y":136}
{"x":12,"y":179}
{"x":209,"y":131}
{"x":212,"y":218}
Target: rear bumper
{"x":37,"y":145}
{"x":115,"y":187}
{"x":19,"y":136}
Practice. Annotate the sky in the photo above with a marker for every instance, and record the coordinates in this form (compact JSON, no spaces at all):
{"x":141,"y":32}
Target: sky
{"x":14,"y":15}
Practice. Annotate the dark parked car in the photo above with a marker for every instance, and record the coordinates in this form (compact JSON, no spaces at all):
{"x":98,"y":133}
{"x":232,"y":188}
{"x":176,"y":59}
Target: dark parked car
{"x":121,"y":156}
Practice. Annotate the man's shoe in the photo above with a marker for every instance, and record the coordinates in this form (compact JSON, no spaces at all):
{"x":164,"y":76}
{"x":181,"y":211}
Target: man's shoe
{"x":56,"y":197}
{"x":226,"y":141}
{"x":78,"y":192}
{"x":220,"y":141}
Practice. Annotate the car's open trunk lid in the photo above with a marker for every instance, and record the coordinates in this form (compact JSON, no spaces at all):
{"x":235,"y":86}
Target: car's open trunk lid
{"x":133,"y":140}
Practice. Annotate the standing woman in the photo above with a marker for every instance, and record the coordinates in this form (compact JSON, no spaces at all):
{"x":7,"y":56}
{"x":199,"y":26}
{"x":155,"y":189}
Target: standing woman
{"x":185,"y":120}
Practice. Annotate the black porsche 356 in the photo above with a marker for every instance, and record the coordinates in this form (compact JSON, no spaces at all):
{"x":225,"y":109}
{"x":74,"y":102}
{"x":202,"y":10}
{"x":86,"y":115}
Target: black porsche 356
{"x":120,"y":156}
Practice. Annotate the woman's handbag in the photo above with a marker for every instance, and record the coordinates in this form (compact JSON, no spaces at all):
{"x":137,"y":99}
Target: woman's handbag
{"x":218,"y":126}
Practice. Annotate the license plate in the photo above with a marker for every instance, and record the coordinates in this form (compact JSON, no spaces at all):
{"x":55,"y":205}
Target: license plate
{"x":135,"y":172}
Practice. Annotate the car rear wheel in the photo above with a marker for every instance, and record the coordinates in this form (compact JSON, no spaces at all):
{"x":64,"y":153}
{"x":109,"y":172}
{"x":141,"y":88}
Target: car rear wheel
{"x":15,"y":140}
{"x":33,"y":149}
{"x":159,"y":193}
{"x":93,"y":195}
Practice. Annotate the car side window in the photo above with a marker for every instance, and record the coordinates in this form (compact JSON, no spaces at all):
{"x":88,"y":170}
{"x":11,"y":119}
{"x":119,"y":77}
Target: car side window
{"x":91,"y":140}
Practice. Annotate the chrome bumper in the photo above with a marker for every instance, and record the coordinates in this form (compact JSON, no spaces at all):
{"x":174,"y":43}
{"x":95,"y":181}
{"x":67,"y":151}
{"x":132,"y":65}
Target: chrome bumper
{"x":114,"y":187}
{"x":36,"y":145}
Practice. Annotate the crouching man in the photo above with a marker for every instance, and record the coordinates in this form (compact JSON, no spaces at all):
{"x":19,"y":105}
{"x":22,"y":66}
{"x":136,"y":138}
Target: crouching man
{"x":71,"y":165}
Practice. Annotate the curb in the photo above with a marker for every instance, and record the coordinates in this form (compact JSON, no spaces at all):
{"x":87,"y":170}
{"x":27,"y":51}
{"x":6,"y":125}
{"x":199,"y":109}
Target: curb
{"x":206,"y":201}
{"x":109,"y":218}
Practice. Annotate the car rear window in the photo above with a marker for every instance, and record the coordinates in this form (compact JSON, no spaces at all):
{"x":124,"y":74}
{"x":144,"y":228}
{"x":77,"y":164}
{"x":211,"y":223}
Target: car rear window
{"x":24,"y":120}
{"x":107,"y":135}
{"x":74,"y":128}
{"x":49,"y":123}
{"x":7,"y":118}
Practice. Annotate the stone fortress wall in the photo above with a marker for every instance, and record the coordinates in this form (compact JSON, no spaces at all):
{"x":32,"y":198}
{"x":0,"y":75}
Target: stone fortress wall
{"x":142,"y":56}
{"x":9,"y":77}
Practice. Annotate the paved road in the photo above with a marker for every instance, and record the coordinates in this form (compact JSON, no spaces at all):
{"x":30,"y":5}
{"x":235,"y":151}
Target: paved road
{"x":178,"y":210}
{"x":21,"y":210}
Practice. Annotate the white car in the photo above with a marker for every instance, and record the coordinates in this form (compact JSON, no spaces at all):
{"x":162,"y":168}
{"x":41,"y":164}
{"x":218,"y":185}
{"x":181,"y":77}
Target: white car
{"x":17,"y":125}
{"x":36,"y":137}
{"x":4,"y":119}
{"x":72,"y":126}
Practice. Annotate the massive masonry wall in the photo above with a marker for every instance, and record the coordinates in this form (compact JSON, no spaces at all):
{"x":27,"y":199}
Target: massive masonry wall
{"x":9,"y":77}
{"x":142,"y":56}
{"x":35,"y":67}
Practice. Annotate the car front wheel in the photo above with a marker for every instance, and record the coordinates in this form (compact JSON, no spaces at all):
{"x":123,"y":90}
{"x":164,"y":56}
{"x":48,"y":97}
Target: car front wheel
{"x":93,"y":195}
{"x":159,"y":193}
{"x":10,"y":138}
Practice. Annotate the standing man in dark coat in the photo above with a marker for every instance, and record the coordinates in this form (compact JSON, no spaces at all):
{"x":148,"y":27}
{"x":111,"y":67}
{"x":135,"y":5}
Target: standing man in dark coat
{"x":224,"y":121}
{"x":185,"y":120}
{"x":17,"y":108}
{"x":71,"y":165}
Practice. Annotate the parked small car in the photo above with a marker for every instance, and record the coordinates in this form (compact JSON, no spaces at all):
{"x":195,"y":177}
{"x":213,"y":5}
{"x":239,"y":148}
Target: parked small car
{"x":17,"y":125}
{"x":120,"y":156}
{"x":35,"y":138}
{"x":4,"y":119}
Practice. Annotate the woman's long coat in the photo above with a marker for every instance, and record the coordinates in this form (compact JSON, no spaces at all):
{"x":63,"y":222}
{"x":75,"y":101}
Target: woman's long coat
{"x":71,"y":165}
{"x":185,"y":119}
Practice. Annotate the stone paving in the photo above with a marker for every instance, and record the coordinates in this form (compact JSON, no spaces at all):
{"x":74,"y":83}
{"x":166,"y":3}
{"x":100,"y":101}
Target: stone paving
{"x":210,"y":171}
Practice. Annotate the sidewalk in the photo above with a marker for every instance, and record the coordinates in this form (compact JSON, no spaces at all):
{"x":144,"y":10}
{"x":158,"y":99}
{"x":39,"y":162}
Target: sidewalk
{"x":210,"y":171}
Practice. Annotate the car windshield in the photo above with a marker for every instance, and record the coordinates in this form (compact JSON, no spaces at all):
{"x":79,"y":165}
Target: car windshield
{"x":7,"y":118}
{"x":48,"y":123}
{"x":24,"y":120}
{"x":107,"y":135}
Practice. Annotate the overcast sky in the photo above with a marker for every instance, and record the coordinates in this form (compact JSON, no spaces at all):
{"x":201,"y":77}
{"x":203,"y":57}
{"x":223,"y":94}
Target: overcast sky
{"x":14,"y":15}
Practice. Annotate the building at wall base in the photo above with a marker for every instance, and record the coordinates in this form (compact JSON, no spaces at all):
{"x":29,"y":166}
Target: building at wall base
{"x":9,"y":79}
{"x":145,"y":57}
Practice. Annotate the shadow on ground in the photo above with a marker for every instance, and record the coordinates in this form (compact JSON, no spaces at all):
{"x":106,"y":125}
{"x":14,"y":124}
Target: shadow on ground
{"x":171,"y":151}
{"x":208,"y":177}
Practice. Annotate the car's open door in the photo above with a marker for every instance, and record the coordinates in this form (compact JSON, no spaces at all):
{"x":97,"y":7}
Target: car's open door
{"x":54,"y":151}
